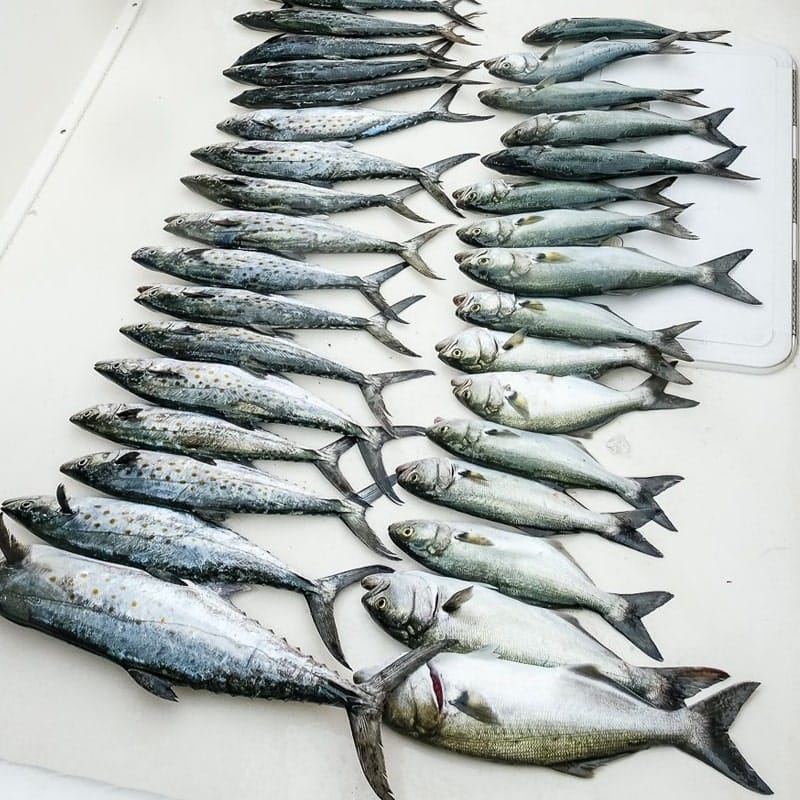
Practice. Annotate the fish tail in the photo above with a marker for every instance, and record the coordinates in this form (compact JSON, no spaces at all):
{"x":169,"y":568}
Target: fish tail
{"x":666,"y":222}
{"x":647,"y":489}
{"x":714,"y":275}
{"x":652,"y":193}
{"x":440,"y":110}
{"x":707,"y":127}
{"x":370,"y":287}
{"x":355,"y":517}
{"x":664,"y":340}
{"x":327,"y":462}
{"x":654,"y":398}
{"x":320,"y":596}
{"x":718,"y":165}
{"x":429,"y":176}
{"x":373,"y":385}
{"x":706,"y":36}
{"x":668,"y":687}
{"x":626,"y":532}
{"x":650,"y":359}
{"x":667,"y":44}
{"x":683,"y":96}
{"x":364,"y":712}
{"x":626,"y":617}
{"x":409,"y":251}
{"x":370,"y":446}
{"x":377,"y":326}
{"x":707,"y":736}
{"x":396,"y":201}
{"x":448,"y":31}
{"x":448,"y":7}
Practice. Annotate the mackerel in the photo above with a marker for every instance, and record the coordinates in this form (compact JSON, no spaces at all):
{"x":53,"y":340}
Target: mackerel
{"x":586,"y":29}
{"x":447,"y":7}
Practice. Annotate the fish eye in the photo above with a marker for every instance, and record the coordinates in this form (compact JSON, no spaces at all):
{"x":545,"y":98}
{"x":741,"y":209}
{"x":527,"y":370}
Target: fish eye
{"x":444,"y":429}
{"x":381,"y":603}
{"x":483,"y":261}
{"x":413,"y":477}
{"x":407,"y":533}
{"x":471,"y":197}
{"x":456,"y":353}
{"x":475,"y":308}
{"x":83,"y":462}
{"x":466,"y":394}
{"x":475,"y":232}
{"x":26,"y":505}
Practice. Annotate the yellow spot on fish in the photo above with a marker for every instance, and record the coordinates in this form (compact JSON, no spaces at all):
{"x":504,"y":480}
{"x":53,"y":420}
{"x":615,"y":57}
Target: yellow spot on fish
{"x":95,"y":591}
{"x":134,"y":603}
{"x":52,"y":579}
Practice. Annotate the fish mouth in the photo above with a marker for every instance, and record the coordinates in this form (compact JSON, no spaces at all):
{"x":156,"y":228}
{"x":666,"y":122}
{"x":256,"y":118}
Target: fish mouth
{"x":459,"y":193}
{"x":468,"y":238}
{"x":200,"y":153}
{"x":373,"y":582}
{"x":404,"y":469}
{"x":436,"y":686}
{"x":489,"y":63}
{"x":462,"y":256}
{"x":444,"y":344}
{"x":459,"y":299}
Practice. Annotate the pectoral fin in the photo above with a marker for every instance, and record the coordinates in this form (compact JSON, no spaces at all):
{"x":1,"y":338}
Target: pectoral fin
{"x":472,"y":475}
{"x":518,"y":402}
{"x":552,"y":257}
{"x":515,"y":340}
{"x":475,"y":538}
{"x":528,"y":219}
{"x":532,"y":305}
{"x":474,"y":705}
{"x":550,"y":52}
{"x":501,"y":432}
{"x":153,"y":684}
{"x":455,"y":601}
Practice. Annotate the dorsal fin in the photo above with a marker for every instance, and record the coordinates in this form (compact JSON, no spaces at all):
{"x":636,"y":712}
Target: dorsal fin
{"x":63,"y":500}
{"x":13,"y":551}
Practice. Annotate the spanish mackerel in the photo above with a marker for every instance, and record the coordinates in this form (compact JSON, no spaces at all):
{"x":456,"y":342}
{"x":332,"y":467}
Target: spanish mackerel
{"x":338,"y":124}
{"x":549,"y":404}
{"x":261,"y":272}
{"x":570,"y":319}
{"x":323,"y":164}
{"x":569,"y":64}
{"x":245,"y":399}
{"x":263,"y":354}
{"x":293,"y":237}
{"x":586,"y":29}
{"x":572,"y":271}
{"x":447,"y":7}
{"x":189,"y":433}
{"x":533,"y":507}
{"x":570,"y":719}
{"x":175,"y":545}
{"x":165,"y":634}
{"x":557,"y":460}
{"x":263,"y":312}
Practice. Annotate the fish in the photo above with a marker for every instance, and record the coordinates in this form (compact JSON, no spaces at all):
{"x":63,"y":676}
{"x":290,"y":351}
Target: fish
{"x":338,"y":124}
{"x":532,"y":507}
{"x":164,"y":634}
{"x":245,"y":399}
{"x":324,"y":163}
{"x":495,"y":196}
{"x":262,"y":272}
{"x":590,"y":162}
{"x":201,"y":436}
{"x":568,"y":319}
{"x":289,"y":47}
{"x":477,"y":350}
{"x":569,"y":719}
{"x":447,"y":7}
{"x":293,"y":237}
{"x":532,"y":570}
{"x":342,"y":23}
{"x":613,"y":125}
{"x":573,"y":271}
{"x":569,"y":64}
{"x":568,"y":227}
{"x":550,"y":404}
{"x":292,"y":198}
{"x":263,"y":312}
{"x":586,"y":29}
{"x":177,"y":546}
{"x":557,"y":460}
{"x":263,"y":354}
{"x":213,"y":490}
{"x":549,"y":97}
{"x":341,"y":94}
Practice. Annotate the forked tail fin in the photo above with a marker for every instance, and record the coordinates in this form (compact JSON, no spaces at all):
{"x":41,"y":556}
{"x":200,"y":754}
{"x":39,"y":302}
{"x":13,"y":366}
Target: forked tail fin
{"x":715,"y":276}
{"x":396,"y":202}
{"x":327,"y":462}
{"x":429,"y":176}
{"x":666,"y":222}
{"x":370,"y":287}
{"x":626,"y":532}
{"x":373,"y":385}
{"x":683,"y":96}
{"x":718,"y":165}
{"x":706,"y":36}
{"x":665,"y":340}
{"x":370,"y":446}
{"x":654,"y":398}
{"x":647,"y":489}
{"x":449,"y":31}
{"x":377,"y":326}
{"x":448,"y":7}
{"x":626,"y":617}
{"x":409,"y":251}
{"x":441,"y":112}
{"x":668,"y":687}
{"x":652,"y":193}
{"x":707,"y":127}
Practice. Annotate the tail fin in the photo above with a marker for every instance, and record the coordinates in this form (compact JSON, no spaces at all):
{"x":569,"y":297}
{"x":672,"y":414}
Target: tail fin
{"x":370,"y":446}
{"x":409,"y":250}
{"x":645,"y":496}
{"x":327,"y":462}
{"x":664,"y":340}
{"x":396,"y":202}
{"x":449,"y":31}
{"x":706,"y":127}
{"x":627,"y":535}
{"x":365,"y":713}
{"x":682,"y":96}
{"x":666,"y":222}
{"x":667,"y":44}
{"x":377,"y":326}
{"x":706,"y":36}
{"x":707,"y":736}
{"x":320,"y":596}
{"x":355,"y":517}
{"x":652,"y":193}
{"x":448,"y":7}
{"x":654,"y":398}
{"x":668,"y":687}
{"x":629,"y":621}
{"x":651,"y":360}
{"x":441,"y":112}
{"x":371,"y":288}
{"x":429,"y":176}
{"x":431,"y":50}
{"x":718,"y":165}
{"x":373,"y":386}
{"x":714,"y":276}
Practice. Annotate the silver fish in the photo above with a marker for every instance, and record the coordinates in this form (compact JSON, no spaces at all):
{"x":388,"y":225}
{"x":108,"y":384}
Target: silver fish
{"x":568,"y":64}
{"x":265,"y":313}
{"x":447,"y":7}
{"x":293,"y":237}
{"x":607,"y":127}
{"x":549,"y":404}
{"x":480,"y":350}
{"x":574,"y":271}
{"x":164,"y":634}
{"x":338,"y":124}
{"x":495,"y":196}
{"x":587,"y":29}
{"x":568,"y":227}
{"x":557,"y":460}
{"x":175,"y":545}
{"x":568,"y":719}
{"x":261,"y":272}
{"x":533,"y":507}
{"x":323,"y":163}
{"x":568,"y":319}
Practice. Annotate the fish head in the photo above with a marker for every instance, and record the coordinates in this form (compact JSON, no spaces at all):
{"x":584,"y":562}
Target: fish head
{"x":481,"y":233}
{"x":96,"y":466}
{"x":476,"y":194}
{"x":513,"y":65}
{"x":146,"y":333}
{"x":555,"y":30}
{"x":215,"y":154}
{"x":189,"y":224}
{"x":160,"y":297}
{"x":128,"y":372}
{"x":427,"y":477}
{"x":215,"y":186}
{"x":402,"y":603}
{"x":483,"y":264}
{"x":38,"y":513}
{"x":109,"y":419}
{"x":239,"y":124}
{"x":480,"y":308}
{"x":470,"y":351}
{"x":528,"y":131}
{"x":418,"y":537}
{"x":452,"y":434}
{"x":156,"y":258}
{"x":483,"y":394}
